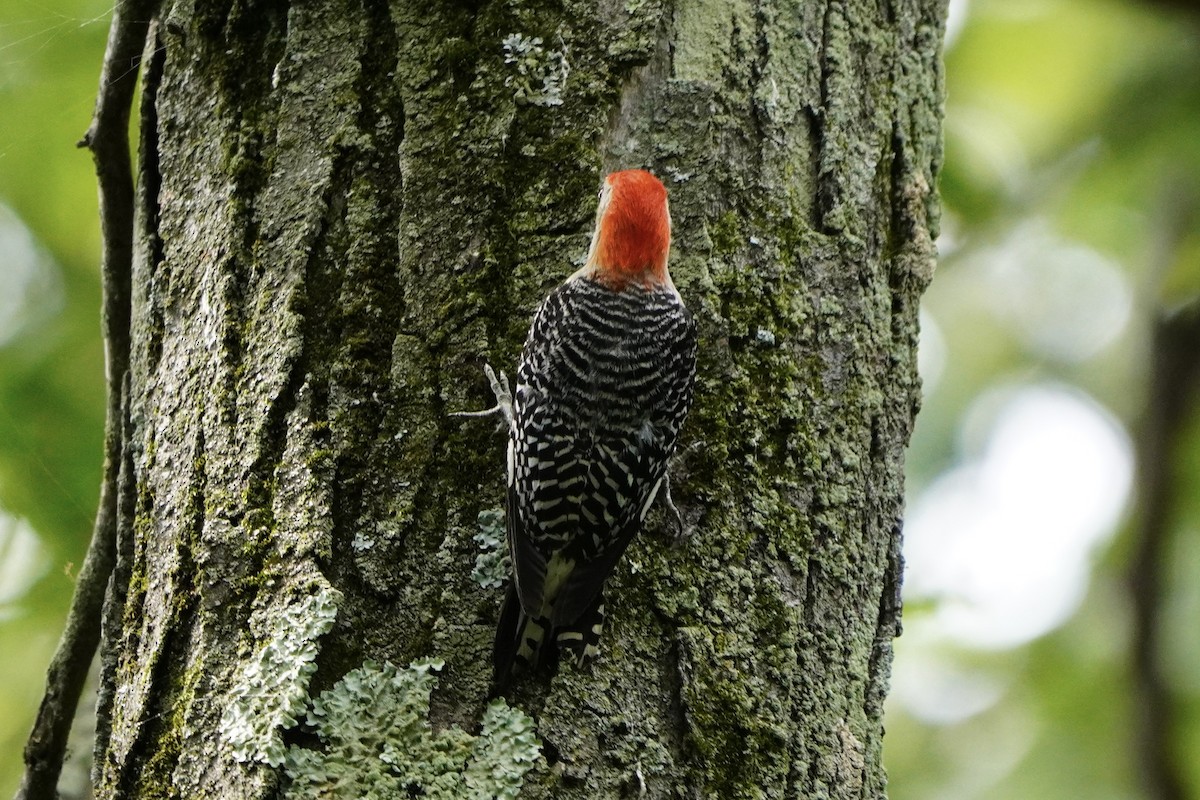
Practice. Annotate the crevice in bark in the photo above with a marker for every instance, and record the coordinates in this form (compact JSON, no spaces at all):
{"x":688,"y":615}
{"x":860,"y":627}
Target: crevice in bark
{"x":150,"y":190}
{"x":158,"y":741}
{"x":908,"y":246}
{"x":640,"y":84}
{"x":888,"y":624}
{"x":759,"y":113}
{"x":679,"y":745}
{"x":269,"y":446}
{"x":117,"y":589}
{"x":826,"y":192}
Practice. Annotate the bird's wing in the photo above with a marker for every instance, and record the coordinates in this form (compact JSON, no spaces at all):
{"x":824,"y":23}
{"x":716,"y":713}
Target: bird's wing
{"x":580,"y":489}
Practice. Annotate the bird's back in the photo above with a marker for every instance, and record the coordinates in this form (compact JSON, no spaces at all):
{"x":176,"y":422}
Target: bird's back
{"x":610,"y":359}
{"x":604,"y":385}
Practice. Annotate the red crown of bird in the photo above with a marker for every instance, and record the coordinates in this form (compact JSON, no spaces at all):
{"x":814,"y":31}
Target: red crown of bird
{"x":634,"y":231}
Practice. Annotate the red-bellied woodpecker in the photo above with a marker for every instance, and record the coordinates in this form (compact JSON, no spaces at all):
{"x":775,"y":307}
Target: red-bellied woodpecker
{"x":604,"y":385}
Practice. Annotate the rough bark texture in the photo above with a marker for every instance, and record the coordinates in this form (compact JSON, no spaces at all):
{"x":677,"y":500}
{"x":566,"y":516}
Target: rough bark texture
{"x":343,"y":211}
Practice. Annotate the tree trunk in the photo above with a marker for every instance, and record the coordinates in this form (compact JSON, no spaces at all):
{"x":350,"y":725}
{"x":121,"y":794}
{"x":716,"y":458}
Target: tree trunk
{"x":343,"y":211}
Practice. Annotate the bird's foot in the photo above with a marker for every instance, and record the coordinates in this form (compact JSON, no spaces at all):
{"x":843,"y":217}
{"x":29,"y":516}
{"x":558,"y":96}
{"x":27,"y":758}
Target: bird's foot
{"x":500,"y":388}
{"x":680,"y":531}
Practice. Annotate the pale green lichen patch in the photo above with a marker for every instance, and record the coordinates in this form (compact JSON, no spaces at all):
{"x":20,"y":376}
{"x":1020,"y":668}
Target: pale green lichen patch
{"x":379,"y":743}
{"x":272,"y":689}
{"x":504,"y":751}
{"x":539,"y":75}
{"x":492,"y":563}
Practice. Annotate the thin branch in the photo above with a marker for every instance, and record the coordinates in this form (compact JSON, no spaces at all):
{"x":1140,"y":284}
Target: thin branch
{"x":1173,"y":395}
{"x":1188,"y":8}
{"x":108,"y":139}
{"x":1174,"y":391}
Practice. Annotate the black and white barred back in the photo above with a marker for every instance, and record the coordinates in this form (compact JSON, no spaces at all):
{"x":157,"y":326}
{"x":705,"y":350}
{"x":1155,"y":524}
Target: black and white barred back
{"x":604,"y":385}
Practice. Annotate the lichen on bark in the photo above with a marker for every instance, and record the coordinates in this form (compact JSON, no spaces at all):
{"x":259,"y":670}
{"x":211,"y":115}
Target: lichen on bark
{"x":377,"y":743}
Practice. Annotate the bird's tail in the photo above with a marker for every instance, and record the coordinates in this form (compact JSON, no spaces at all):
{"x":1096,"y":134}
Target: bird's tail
{"x":520,"y":639}
{"x":582,"y":637}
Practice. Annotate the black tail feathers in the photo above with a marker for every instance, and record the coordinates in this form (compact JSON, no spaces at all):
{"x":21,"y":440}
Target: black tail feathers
{"x":509,"y":632}
{"x":520,"y":640}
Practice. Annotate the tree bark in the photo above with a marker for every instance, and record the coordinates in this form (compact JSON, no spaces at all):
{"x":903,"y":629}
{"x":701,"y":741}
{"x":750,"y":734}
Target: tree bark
{"x":343,"y":210}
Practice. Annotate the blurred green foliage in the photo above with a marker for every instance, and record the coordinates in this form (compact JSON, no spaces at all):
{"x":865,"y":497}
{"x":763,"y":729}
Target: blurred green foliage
{"x":1072,"y":132}
{"x":1073,"y":127}
{"x":51,"y":358}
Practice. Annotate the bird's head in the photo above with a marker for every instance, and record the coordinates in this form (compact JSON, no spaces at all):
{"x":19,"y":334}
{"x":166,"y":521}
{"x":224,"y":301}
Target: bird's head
{"x":633,"y":232}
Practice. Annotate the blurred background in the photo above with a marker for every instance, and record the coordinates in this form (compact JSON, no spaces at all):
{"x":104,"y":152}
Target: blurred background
{"x":1052,"y":620}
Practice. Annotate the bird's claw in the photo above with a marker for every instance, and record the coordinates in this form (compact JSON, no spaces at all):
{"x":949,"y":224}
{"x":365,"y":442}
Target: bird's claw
{"x":680,"y":533}
{"x":503,"y":393}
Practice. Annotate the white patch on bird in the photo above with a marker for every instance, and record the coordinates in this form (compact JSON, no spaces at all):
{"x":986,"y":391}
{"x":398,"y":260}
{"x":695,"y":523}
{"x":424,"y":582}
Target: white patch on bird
{"x":531,"y":639}
{"x":558,"y":570}
{"x":650,"y":500}
{"x":512,"y":462}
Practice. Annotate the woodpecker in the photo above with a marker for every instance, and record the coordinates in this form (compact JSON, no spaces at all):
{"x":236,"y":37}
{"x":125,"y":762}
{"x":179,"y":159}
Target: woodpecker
{"x":604,"y":384}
